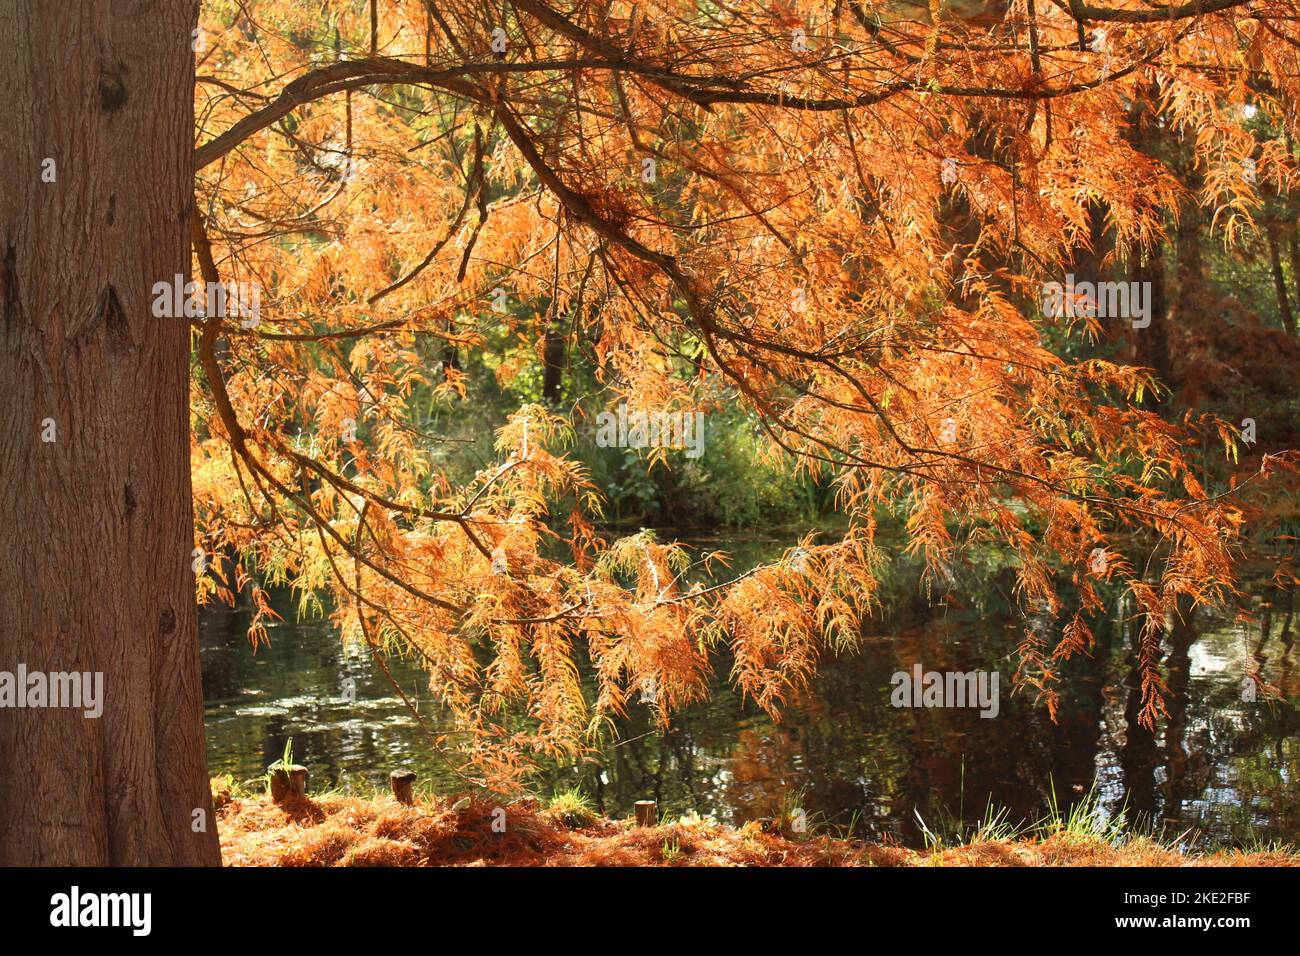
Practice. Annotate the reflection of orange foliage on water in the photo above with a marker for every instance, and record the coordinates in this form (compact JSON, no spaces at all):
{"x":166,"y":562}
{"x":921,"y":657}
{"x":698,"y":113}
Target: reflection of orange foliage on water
{"x":760,"y":759}
{"x":348,"y":831}
{"x":929,"y":767}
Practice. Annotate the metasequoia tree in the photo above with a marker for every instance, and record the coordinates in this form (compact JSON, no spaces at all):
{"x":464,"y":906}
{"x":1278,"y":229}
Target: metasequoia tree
{"x":839,"y":215}
{"x":96,"y":574}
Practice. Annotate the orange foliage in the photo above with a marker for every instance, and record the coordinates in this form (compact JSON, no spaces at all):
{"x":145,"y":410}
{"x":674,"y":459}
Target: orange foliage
{"x":796,"y":250}
{"x":347,"y":831}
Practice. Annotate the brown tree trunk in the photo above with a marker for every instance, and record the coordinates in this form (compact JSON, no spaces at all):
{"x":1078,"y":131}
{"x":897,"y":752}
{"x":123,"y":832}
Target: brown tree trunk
{"x":1279,"y":277}
{"x":1293,"y":236}
{"x":1187,"y":244}
{"x":95,"y":569}
{"x":1151,"y":344}
{"x":1294,"y":246}
{"x":553,"y":361}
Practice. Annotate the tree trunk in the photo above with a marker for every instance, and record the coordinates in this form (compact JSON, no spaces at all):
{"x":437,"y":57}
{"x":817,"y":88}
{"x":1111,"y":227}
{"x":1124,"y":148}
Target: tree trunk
{"x":1293,"y":241}
{"x":553,"y":361}
{"x":95,"y":574}
{"x":1151,"y":344}
{"x":1294,"y":245}
{"x":1187,"y":244}
{"x":1279,"y":278}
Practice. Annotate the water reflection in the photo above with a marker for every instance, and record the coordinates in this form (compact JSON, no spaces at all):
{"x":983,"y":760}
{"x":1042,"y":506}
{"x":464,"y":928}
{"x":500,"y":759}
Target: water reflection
{"x":1222,"y":766}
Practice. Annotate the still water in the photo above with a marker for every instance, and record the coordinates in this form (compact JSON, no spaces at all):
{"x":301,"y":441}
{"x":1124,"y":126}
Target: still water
{"x":1220,"y":766}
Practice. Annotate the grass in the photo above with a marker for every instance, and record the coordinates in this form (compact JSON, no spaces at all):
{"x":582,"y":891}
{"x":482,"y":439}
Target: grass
{"x":1086,"y":821}
{"x":671,"y":851}
{"x":345,"y":830}
{"x":573,"y":808}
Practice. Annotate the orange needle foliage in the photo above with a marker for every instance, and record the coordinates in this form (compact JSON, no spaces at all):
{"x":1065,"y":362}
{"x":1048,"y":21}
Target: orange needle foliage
{"x":390,"y":171}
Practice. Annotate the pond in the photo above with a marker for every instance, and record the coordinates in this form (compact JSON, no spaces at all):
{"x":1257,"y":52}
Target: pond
{"x":1221,"y":768}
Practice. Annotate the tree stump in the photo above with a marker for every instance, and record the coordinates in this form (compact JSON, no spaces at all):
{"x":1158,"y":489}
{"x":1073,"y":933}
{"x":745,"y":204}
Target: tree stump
{"x":403,"y":784}
{"x":290,"y":782}
{"x":646,"y":813}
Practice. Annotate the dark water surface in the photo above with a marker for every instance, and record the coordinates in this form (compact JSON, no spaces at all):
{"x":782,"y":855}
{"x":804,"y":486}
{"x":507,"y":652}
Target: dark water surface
{"x":1224,"y":767}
